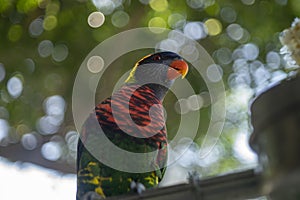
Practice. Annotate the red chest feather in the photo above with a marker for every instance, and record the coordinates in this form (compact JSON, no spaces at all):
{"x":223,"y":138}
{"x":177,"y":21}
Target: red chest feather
{"x":135,"y":111}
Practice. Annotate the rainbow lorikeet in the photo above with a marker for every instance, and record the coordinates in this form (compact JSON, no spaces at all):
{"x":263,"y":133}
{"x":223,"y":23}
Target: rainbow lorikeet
{"x":141,"y":131}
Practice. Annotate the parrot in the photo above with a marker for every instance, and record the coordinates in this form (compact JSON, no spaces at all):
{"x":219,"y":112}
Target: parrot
{"x":133,"y":120}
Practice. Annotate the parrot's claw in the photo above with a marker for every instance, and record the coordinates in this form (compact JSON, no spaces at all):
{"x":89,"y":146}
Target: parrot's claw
{"x":140,"y":188}
{"x":91,"y":196}
{"x":137,"y":187}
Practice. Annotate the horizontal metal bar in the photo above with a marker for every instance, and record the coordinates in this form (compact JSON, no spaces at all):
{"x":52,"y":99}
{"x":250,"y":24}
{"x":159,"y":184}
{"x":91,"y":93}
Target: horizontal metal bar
{"x":240,"y":185}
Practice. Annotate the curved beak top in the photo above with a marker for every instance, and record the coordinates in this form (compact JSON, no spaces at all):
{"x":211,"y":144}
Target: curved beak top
{"x":177,"y":68}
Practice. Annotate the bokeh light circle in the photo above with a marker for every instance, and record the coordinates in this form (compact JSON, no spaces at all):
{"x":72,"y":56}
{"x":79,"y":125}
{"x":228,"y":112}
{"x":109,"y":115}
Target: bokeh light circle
{"x":51,"y":151}
{"x":158,"y":5}
{"x":195,"y":30}
{"x":15,"y":87}
{"x":96,"y":19}
{"x":120,"y":19}
{"x":2,"y":72}
{"x":214,"y":26}
{"x":157,"y":23}
{"x":95,"y":64}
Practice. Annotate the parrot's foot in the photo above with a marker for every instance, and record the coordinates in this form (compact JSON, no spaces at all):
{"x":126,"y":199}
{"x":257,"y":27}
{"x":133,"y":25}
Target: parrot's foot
{"x":137,"y":187}
{"x":91,"y":196}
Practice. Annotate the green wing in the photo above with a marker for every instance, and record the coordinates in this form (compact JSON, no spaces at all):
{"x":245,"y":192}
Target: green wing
{"x":94,"y":176}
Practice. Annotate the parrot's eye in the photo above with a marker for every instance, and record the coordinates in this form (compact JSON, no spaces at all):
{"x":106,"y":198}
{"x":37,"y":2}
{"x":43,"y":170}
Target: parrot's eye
{"x":157,"y":57}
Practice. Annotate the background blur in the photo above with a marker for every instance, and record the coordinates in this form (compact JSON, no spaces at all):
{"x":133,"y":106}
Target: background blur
{"x":43,"y":43}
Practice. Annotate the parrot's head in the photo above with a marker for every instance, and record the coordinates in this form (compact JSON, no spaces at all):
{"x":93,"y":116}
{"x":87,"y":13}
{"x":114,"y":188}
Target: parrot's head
{"x":160,"y":68}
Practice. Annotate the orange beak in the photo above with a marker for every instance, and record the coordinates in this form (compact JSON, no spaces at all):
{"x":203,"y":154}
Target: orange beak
{"x":177,"y":68}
